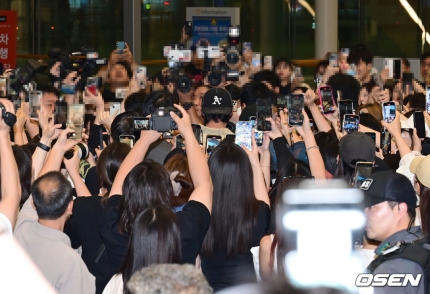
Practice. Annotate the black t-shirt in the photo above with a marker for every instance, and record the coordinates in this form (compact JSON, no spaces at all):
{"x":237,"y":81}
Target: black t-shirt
{"x":222,"y":272}
{"x":285,"y":90}
{"x":83,"y":230}
{"x":248,"y":111}
{"x":194,"y":221}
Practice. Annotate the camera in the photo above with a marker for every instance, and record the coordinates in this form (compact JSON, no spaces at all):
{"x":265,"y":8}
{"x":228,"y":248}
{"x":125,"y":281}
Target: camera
{"x":161,"y":120}
{"x":233,"y":35}
{"x":178,"y":77}
{"x":82,"y":151}
{"x":212,"y":52}
{"x":179,"y":55}
{"x":9,"y":118}
{"x":21,"y":77}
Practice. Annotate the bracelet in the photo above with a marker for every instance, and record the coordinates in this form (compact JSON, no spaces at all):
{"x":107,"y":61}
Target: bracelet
{"x":312,"y":147}
{"x":43,"y":146}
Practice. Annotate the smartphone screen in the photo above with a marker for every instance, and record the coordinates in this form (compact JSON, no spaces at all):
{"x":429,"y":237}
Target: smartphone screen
{"x":419,"y":124}
{"x":253,"y":119}
{"x":345,"y":107}
{"x":363,"y":170}
{"x":282,"y":102}
{"x":114,"y":107}
{"x":244,"y":134}
{"x":211,"y":143}
{"x":333,"y":59}
{"x":326,"y":99}
{"x":60,"y":114}
{"x":75,"y":120}
{"x":428,"y":99}
{"x":141,"y":76}
{"x":197,"y":130}
{"x":385,"y":142}
{"x":140,"y":123}
{"x":246,"y":46}
{"x":268,"y":62}
{"x":256,"y":59}
{"x":258,"y":135}
{"x":351,"y":123}
{"x":295,"y":115}
{"x":407,"y":81}
{"x":180,"y":142}
{"x":35,"y":101}
{"x":389,"y":111}
{"x":93,"y":85}
{"x":372,"y":135}
{"x":264,"y":110}
{"x":120,"y":46}
{"x":127,"y":139}
{"x":297,"y":72}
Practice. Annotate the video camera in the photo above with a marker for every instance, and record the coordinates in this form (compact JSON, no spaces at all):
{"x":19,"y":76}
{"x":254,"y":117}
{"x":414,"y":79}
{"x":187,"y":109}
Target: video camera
{"x":160,"y":120}
{"x":22,"y":76}
{"x":176,"y":57}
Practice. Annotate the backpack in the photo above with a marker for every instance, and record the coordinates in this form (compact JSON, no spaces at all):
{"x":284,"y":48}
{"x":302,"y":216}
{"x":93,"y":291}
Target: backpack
{"x":417,"y":251}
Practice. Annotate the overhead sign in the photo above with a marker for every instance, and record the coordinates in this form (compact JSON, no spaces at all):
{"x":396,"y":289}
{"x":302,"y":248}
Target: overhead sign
{"x":8,"y":27}
{"x":210,"y":24}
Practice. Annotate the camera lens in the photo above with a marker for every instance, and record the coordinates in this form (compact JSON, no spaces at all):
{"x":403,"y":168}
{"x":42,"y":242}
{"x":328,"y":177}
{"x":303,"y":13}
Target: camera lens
{"x":215,"y":78}
{"x":184,"y":84}
{"x":232,"y":57}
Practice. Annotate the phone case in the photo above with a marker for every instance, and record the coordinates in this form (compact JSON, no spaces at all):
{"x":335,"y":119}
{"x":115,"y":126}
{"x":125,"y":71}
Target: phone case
{"x":244,"y":134}
{"x":326,"y":102}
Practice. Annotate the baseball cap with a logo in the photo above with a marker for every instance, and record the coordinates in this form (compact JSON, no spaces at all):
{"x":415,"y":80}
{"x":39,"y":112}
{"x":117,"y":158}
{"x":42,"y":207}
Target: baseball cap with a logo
{"x":388,"y":186}
{"x":217,"y":101}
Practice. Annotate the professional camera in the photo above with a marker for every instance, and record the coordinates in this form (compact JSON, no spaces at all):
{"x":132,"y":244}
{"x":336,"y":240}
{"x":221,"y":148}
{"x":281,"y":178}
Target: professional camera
{"x":9,"y":118}
{"x":232,"y":55}
{"x":161,"y":120}
{"x":22,"y":76}
{"x":82,"y":149}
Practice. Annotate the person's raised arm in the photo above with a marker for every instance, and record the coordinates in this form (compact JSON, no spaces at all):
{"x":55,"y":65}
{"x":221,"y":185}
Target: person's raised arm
{"x":316,"y":163}
{"x":72,"y":167}
{"x":10,"y":185}
{"x":259,"y":185}
{"x":55,"y":157}
{"x":394,"y":128}
{"x":49,"y":132}
{"x":199,"y":169}
{"x":265,"y":160}
{"x":136,"y":155}
{"x":319,"y":119}
{"x":283,"y":155}
{"x":18,"y":128}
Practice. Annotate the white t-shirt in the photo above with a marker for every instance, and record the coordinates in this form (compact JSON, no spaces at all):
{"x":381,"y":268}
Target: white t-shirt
{"x":5,"y":225}
{"x":115,"y":285}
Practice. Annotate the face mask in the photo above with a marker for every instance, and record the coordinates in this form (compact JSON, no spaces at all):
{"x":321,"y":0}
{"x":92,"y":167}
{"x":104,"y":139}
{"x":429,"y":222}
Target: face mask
{"x":239,"y":111}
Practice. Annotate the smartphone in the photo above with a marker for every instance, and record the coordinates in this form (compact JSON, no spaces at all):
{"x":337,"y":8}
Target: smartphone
{"x":75,"y":120}
{"x":253,"y":120}
{"x":179,"y":141}
{"x":394,"y":68}
{"x":258,"y":135}
{"x":389,"y":111}
{"x":141,"y":76}
{"x":268,"y":62}
{"x":428,"y":99}
{"x":60,"y":114}
{"x":264,"y":110}
{"x":127,"y":139}
{"x":246,"y":46}
{"x":344,"y":52}
{"x":363,"y":170}
{"x":333,"y":59}
{"x":120,"y":46}
{"x":244,"y":134}
{"x":114,"y":107}
{"x":407,"y":78}
{"x":166,"y":50}
{"x":283,"y":102}
{"x":345,"y":107}
{"x":298,"y":72}
{"x":372,"y":135}
{"x":326,"y":99}
{"x":211,"y":143}
{"x":295,"y":115}
{"x":35,"y":103}
{"x":101,"y":145}
{"x":189,"y":28}
{"x":385,"y":142}
{"x":140,"y":123}
{"x":256,"y":59}
{"x":197,"y":130}
{"x":351,"y":123}
{"x":419,"y":124}
{"x":93,"y":85}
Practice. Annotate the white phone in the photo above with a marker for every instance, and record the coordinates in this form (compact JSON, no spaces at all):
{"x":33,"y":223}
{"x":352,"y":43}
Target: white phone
{"x":113,"y":107}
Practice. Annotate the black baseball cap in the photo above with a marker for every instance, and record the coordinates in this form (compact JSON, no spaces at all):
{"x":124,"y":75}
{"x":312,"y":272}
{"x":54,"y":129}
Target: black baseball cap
{"x":388,"y":186}
{"x":217,"y":101}
{"x":355,"y":146}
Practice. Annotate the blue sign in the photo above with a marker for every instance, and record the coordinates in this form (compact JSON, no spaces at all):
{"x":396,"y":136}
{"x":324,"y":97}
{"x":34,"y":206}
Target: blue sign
{"x":210,"y":29}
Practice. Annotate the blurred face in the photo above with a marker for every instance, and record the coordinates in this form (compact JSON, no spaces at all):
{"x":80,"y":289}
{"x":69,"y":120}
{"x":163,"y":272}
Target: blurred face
{"x":364,"y":96}
{"x":118,"y":74}
{"x":283,"y":71}
{"x":48,"y":102}
{"x":381,"y":221}
{"x":363,"y":71}
{"x":425,"y":68}
{"x":197,"y":99}
{"x":376,"y":91}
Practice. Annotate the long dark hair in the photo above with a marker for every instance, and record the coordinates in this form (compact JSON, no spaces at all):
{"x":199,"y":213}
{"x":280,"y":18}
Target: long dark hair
{"x":24,"y":163}
{"x":155,"y":239}
{"x":147,"y":185}
{"x":109,"y":162}
{"x":234,"y":207}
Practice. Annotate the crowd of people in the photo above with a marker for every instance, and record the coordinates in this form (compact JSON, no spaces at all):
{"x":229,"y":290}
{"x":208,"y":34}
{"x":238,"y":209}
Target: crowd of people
{"x":154,"y":216}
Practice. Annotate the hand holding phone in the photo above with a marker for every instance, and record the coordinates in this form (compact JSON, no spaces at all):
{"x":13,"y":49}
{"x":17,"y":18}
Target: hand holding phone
{"x":389,"y":111}
{"x":244,"y":134}
{"x":326,"y":99}
{"x":363,"y":170}
{"x":295,"y":115}
{"x":120,"y":46}
{"x":351,"y":123}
